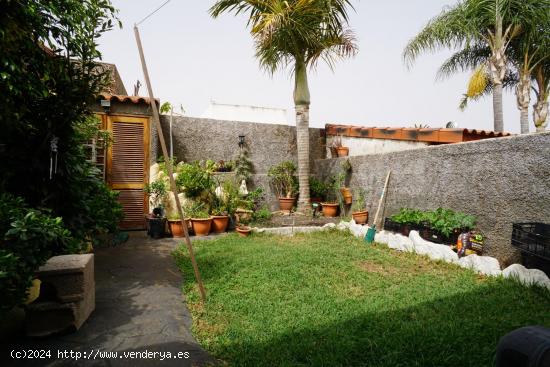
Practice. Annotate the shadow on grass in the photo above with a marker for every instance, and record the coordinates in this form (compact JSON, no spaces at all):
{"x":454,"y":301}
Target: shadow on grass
{"x":462,"y":330}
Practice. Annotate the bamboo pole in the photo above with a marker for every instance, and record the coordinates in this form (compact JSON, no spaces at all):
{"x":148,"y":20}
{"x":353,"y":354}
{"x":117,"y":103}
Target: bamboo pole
{"x":169,"y":167}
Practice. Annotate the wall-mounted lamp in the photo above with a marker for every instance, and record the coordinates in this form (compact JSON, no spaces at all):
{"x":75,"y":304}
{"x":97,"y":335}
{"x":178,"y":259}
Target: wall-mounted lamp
{"x":106,"y":104}
{"x":241,"y":141}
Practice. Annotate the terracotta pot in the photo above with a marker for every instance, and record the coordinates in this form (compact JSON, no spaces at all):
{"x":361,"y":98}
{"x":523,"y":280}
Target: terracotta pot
{"x":330,"y":209}
{"x":243,"y":231}
{"x":201,"y":226}
{"x":343,"y":151}
{"x":346,"y":194}
{"x":286,"y":203}
{"x":360,"y":217}
{"x":219,"y":223}
{"x":243,"y":215}
{"x":176,"y":228}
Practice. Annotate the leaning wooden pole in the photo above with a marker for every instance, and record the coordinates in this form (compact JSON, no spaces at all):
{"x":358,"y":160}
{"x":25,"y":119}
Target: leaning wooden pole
{"x":169,"y":167}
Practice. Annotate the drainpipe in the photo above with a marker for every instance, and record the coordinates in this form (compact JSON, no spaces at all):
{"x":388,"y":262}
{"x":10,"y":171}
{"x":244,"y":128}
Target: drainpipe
{"x":171,"y":142}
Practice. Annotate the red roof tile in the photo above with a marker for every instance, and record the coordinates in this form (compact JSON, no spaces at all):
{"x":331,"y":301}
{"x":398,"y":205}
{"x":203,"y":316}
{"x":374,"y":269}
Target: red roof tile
{"x":124,"y":99}
{"x":434,"y":136}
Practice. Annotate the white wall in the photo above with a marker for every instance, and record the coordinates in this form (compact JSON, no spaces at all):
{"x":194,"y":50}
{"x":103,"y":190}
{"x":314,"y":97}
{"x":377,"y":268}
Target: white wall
{"x":362,"y":146}
{"x":228,"y":112}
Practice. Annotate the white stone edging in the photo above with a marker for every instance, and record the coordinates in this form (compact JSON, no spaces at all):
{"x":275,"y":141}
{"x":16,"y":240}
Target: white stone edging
{"x":486,"y":265}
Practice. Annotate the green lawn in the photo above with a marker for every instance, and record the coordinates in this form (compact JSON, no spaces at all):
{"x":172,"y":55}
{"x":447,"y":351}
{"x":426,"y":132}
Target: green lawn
{"x":327,"y":299}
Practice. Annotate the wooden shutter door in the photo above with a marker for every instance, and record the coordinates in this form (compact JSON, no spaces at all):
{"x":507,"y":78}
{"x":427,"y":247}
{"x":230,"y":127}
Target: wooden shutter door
{"x":127,"y":167}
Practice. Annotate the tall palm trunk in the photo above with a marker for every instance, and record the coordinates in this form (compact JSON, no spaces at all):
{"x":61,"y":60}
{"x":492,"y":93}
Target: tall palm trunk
{"x":497,"y":108}
{"x":301,"y":102}
{"x":497,"y":71}
{"x":540,"y":108}
{"x":540,"y":114}
{"x":523,"y":97}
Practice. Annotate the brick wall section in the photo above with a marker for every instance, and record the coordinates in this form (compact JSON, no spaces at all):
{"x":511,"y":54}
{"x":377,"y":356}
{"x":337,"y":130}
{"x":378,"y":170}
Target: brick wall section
{"x":501,"y":181}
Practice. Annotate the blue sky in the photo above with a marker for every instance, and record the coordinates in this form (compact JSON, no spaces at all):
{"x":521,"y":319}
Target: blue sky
{"x":193,"y":58}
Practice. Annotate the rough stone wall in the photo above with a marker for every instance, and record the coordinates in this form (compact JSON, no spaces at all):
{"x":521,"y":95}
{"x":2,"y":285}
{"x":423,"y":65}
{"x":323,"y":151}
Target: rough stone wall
{"x":268,"y":144}
{"x":501,"y":181}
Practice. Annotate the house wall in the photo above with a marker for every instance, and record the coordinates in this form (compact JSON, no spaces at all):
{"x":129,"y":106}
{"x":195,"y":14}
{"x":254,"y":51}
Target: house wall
{"x":501,"y":181}
{"x":362,"y":146}
{"x":268,"y":144}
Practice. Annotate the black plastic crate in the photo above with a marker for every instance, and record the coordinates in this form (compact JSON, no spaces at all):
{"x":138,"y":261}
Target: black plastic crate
{"x":532,"y":238}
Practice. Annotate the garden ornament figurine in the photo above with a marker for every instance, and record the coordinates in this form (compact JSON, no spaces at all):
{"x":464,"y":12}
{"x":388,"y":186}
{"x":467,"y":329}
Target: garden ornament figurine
{"x":242,"y":189}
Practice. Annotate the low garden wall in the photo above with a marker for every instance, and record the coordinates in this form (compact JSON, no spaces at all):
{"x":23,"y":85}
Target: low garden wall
{"x":501,"y":181}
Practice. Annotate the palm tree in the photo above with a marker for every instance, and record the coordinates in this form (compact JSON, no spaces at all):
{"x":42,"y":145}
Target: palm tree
{"x":479,"y":24}
{"x":525,"y":54}
{"x":296,"y":33}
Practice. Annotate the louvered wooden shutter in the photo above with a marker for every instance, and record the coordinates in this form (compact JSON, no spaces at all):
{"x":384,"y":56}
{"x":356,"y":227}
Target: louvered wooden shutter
{"x":128,"y":168}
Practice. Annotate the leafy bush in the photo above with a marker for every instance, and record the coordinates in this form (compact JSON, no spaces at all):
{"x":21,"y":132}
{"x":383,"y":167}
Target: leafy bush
{"x":46,"y":96}
{"x":28,"y":237}
{"x":194,"y":180}
{"x":157,"y":190}
{"x":359,"y":201}
{"x":318,"y":189}
{"x":262,"y":215}
{"x":283,"y":178}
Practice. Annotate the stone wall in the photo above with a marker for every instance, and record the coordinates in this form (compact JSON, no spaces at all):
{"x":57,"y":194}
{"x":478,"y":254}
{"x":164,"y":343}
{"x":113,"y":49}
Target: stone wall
{"x":501,"y":181}
{"x":268,"y":144}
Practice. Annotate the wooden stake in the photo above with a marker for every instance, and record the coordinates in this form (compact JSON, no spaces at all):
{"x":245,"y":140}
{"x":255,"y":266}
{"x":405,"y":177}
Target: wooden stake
{"x":169,"y":167}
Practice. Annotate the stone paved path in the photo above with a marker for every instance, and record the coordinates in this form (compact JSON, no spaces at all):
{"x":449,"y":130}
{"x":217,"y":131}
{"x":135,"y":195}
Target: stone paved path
{"x":139,"y":307}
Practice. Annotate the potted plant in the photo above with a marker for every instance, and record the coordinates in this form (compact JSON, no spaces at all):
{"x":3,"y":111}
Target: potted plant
{"x":243,"y":229}
{"x":330,"y":206}
{"x":358,"y":209}
{"x":343,"y":178}
{"x":341,"y":151}
{"x":284,"y":182}
{"x":156,"y":222}
{"x":176,"y":228}
{"x":220,"y":218}
{"x":201,"y":222}
{"x":317,"y":190}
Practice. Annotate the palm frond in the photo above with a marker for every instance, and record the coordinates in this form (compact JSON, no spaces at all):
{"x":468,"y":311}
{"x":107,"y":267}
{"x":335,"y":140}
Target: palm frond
{"x":466,"y":59}
{"x":478,"y":82}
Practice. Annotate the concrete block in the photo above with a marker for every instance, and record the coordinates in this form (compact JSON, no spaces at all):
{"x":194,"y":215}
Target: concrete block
{"x":67,"y":295}
{"x":47,"y":318}
{"x":70,"y":275}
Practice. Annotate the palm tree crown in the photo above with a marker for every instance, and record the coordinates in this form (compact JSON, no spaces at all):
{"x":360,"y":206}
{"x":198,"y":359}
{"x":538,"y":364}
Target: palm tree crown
{"x":296,"y":34}
{"x":481,"y":30}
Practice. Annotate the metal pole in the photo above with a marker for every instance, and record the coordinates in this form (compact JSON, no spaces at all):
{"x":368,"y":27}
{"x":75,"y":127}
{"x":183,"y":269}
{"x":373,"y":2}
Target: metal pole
{"x":169,"y":166}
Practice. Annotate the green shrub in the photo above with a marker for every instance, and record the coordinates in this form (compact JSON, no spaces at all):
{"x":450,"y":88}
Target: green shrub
{"x":194,"y":180}
{"x":318,"y":189}
{"x":262,"y":215}
{"x":28,"y":237}
{"x":444,"y":221}
{"x":283,"y":178}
